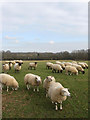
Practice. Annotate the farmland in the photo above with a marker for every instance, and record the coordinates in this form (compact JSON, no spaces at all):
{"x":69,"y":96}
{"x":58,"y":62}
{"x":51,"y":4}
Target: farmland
{"x":25,"y":103}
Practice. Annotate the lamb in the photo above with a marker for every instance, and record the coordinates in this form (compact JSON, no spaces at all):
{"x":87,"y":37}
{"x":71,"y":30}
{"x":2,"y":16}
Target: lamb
{"x":49,"y":65}
{"x":9,"y":81}
{"x":33,"y":80}
{"x":5,"y":68}
{"x":82,"y":64}
{"x":46,"y":83}
{"x":17,"y":67}
{"x":61,"y":64}
{"x":79,"y":68}
{"x":56,"y":67}
{"x":71,"y":69}
{"x":57,"y":93}
{"x":32,"y":65}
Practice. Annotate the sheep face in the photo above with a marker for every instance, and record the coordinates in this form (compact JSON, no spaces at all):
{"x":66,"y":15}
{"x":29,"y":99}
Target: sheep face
{"x":38,"y":80}
{"x":65,"y":92}
{"x":83,"y":72}
{"x":49,"y":78}
{"x":35,"y":63}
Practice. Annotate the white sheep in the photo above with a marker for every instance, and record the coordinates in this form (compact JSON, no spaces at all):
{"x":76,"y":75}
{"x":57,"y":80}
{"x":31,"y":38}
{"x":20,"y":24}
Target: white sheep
{"x":58,"y":94}
{"x":33,"y":80}
{"x":32,"y":65}
{"x":74,"y":62}
{"x":68,"y":63}
{"x":10,"y":65}
{"x":71,"y":69}
{"x":86,"y":65}
{"x":82,"y":64}
{"x":56,"y":67}
{"x":49,"y":65}
{"x":5,"y":67}
{"x":79,"y":68}
{"x":61,"y":64}
{"x":17,"y":67}
{"x":9,"y":81}
{"x":47,"y":82}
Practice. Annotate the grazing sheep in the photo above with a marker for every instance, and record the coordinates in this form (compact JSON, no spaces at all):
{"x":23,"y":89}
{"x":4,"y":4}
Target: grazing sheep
{"x":9,"y":81}
{"x":10,"y":65}
{"x":71,"y":69}
{"x":5,"y":68}
{"x":49,"y":65}
{"x":74,"y":62}
{"x":6,"y":62}
{"x":13,"y":62}
{"x":32,"y":65}
{"x":47,"y":82}
{"x":82,"y":64}
{"x":33,"y":80}
{"x":86,"y":65}
{"x":17,"y":67}
{"x":68,"y":63}
{"x":79,"y":68}
{"x":61,"y":64}
{"x":57,"y":93}
{"x":56,"y":67}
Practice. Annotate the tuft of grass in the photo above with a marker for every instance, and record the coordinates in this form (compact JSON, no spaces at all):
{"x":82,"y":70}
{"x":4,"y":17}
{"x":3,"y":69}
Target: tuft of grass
{"x":25,"y":103}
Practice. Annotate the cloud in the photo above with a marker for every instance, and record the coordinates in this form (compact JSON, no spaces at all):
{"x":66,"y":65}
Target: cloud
{"x":16,"y":41}
{"x":57,"y":17}
{"x":10,"y":38}
{"x":51,"y":42}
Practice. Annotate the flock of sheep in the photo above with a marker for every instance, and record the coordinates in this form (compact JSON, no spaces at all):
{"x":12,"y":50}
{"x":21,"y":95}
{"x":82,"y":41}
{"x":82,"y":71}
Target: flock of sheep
{"x":54,"y":90}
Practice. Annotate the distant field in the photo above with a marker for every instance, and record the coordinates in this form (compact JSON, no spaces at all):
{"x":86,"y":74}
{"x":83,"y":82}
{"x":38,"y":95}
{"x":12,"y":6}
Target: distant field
{"x":28,"y":104}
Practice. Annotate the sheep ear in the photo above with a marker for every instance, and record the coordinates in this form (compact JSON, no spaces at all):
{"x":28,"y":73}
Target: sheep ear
{"x":47,"y":77}
{"x":67,"y":88}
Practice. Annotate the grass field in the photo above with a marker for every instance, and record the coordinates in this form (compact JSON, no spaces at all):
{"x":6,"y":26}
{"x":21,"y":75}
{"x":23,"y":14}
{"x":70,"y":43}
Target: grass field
{"x":28,"y":104}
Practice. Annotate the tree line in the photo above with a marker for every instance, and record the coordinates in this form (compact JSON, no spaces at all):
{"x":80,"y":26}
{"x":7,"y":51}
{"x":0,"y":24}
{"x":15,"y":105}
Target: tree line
{"x":74,"y":55}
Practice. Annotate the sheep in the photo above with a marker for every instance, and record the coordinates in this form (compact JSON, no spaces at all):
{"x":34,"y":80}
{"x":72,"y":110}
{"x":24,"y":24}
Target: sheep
{"x":57,"y":93}
{"x":49,"y":65}
{"x":82,"y":64}
{"x":32,"y":65}
{"x":71,"y":69}
{"x":13,"y":62}
{"x":86,"y":65}
{"x":56,"y":67}
{"x":17,"y":67}
{"x":74,"y":62}
{"x":5,"y":67}
{"x":47,"y":82}
{"x":61,"y":64}
{"x":68,"y":63}
{"x":33,"y":80}
{"x":79,"y":68}
{"x":10,"y":65}
{"x":9,"y":81}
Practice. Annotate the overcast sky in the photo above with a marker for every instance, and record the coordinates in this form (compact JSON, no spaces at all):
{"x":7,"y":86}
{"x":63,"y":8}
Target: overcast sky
{"x":44,"y":26}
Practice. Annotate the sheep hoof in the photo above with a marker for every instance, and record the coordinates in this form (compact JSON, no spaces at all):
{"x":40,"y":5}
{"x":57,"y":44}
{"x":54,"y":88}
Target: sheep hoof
{"x":56,"y":109}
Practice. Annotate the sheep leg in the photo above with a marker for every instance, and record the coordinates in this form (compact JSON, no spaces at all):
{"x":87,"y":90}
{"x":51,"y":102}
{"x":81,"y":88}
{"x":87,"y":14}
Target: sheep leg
{"x":60,"y":105}
{"x":37,"y":89}
{"x":46,"y":95}
{"x":52,"y":102}
{"x":7,"y":88}
{"x":27,"y":86}
{"x":34,"y":89}
{"x":56,"y":107}
{"x":58,"y":71}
